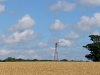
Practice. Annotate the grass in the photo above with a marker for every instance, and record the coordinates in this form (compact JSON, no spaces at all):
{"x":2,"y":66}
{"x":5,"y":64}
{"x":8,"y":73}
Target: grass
{"x":49,"y":68}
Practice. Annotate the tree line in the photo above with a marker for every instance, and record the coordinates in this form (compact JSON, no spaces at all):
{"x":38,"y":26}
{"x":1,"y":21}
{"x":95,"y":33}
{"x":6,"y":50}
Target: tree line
{"x":11,"y":59}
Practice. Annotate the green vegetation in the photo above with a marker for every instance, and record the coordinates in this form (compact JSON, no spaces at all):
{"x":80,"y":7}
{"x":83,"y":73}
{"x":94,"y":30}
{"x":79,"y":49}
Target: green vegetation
{"x":10,"y":59}
{"x":94,"y":48}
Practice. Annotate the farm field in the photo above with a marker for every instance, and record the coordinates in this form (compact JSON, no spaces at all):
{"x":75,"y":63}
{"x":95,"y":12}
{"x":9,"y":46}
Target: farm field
{"x":49,"y":68}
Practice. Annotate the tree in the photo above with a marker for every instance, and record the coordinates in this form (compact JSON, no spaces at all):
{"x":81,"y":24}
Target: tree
{"x":35,"y":60}
{"x":64,"y":60}
{"x":10,"y":59}
{"x":20,"y":59}
{"x":94,"y":48}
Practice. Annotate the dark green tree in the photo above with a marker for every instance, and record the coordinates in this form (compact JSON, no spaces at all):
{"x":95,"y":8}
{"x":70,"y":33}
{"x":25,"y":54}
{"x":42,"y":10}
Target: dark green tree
{"x":10,"y":59}
{"x":64,"y":60}
{"x":94,"y":48}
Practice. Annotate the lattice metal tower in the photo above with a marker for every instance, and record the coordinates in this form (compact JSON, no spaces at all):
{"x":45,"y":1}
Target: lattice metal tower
{"x":56,"y":53}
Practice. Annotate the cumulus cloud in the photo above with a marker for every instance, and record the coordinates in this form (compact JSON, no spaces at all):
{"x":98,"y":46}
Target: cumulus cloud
{"x":72,"y":35}
{"x":21,"y":32}
{"x":86,"y":23}
{"x":58,"y":25}
{"x":65,"y":43}
{"x":6,"y":52}
{"x":91,"y":2}
{"x":17,"y":37}
{"x":63,"y":5}
{"x":2,"y":8}
{"x":42,"y":44}
{"x":23,"y":24}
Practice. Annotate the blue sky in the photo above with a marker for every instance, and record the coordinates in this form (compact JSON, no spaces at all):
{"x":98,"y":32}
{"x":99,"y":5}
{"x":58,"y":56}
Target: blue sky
{"x":29,"y":29}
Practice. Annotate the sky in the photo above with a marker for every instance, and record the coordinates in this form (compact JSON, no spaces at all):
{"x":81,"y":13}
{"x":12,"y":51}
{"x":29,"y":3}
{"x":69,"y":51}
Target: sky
{"x":29,"y":29}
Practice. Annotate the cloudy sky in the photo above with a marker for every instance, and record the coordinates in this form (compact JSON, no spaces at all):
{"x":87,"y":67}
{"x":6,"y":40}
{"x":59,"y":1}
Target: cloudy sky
{"x":29,"y":29}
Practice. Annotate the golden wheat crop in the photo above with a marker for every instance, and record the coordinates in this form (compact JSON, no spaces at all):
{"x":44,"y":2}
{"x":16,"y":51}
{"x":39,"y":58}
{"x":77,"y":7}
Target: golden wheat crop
{"x":49,"y":68}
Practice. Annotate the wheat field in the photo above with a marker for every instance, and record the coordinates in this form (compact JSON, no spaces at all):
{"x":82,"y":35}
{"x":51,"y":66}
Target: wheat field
{"x":49,"y":68}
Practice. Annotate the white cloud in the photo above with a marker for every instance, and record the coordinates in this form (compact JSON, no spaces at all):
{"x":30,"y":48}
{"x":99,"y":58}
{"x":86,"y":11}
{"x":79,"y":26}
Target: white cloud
{"x":30,"y":51}
{"x":21,"y":56}
{"x":50,"y":51}
{"x":42,"y":44}
{"x":4,"y":52}
{"x":17,"y":37}
{"x":2,"y":8}
{"x":65,"y":43}
{"x":63,"y":5}
{"x":58,"y":25}
{"x":23,"y":24}
{"x":86,"y":23}
{"x":96,"y":33}
{"x":91,"y":2}
{"x":36,"y":56}
{"x":72,"y":35}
